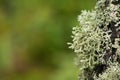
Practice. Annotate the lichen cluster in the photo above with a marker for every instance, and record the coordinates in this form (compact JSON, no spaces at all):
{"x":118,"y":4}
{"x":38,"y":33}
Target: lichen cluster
{"x":111,"y":73}
{"x":96,"y":41}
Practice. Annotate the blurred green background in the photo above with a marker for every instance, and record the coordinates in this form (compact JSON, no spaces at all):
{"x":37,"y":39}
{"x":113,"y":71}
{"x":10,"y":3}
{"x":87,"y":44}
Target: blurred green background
{"x":34,"y":36}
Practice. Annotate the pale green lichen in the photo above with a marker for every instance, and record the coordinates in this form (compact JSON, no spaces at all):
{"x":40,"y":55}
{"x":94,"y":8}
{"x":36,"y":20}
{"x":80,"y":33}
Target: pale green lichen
{"x":112,"y":73}
{"x":87,"y":38}
{"x":96,"y":41}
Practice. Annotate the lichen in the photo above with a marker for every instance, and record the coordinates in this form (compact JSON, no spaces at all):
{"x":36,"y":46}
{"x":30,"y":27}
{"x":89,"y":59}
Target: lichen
{"x":111,"y":73}
{"x":96,"y":41}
